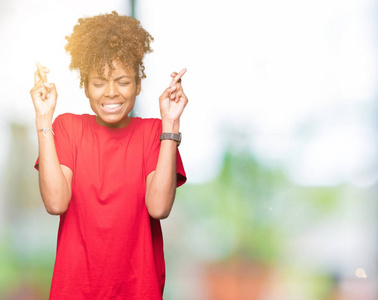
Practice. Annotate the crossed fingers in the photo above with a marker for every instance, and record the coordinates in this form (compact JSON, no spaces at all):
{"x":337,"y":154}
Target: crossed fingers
{"x":40,"y":79}
{"x":177,"y":78}
{"x":40,"y":73}
{"x":175,"y":86}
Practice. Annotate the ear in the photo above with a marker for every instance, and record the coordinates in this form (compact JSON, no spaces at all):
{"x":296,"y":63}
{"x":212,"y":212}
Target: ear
{"x":139,"y":86}
{"x":86,"y":89}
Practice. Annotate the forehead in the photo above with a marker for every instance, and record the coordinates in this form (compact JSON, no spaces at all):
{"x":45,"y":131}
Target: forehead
{"x":118,"y":71}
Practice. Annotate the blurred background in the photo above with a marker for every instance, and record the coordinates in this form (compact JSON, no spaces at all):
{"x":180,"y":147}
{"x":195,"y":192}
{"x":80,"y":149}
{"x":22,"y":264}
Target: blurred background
{"x":279,"y":143}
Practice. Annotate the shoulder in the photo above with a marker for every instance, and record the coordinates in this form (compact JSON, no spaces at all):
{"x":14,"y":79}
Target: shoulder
{"x":147,"y":120}
{"x":72,"y":120}
{"x":149,"y":129}
{"x":68,"y":117}
{"x":148,"y":123}
{"x":72,"y":123}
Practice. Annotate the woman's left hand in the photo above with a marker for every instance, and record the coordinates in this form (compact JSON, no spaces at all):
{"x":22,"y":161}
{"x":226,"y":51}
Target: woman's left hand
{"x":173,"y":101}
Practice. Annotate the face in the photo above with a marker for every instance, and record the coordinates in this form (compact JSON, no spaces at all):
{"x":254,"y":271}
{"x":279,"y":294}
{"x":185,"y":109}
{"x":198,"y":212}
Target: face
{"x":112,"y":97}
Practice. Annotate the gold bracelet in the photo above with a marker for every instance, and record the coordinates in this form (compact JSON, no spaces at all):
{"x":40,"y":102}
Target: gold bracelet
{"x":44,"y":130}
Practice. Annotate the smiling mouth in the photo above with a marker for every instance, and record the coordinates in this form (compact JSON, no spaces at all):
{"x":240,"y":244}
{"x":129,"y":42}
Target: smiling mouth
{"x":111,"y":106}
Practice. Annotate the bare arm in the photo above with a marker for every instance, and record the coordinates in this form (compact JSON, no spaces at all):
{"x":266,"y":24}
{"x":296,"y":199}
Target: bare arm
{"x":161,"y":184}
{"x":55,"y":180}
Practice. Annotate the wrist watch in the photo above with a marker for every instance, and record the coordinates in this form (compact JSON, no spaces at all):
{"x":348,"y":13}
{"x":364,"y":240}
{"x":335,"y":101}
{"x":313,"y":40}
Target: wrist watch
{"x":171,"y":136}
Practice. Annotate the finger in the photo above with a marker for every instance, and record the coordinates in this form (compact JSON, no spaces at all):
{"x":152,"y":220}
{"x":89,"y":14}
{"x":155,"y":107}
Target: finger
{"x":173,"y":75}
{"x":37,"y":88}
{"x":49,"y":85}
{"x":166,"y":93}
{"x":180,"y":96}
{"x":176,"y":88}
{"x":43,"y":94}
{"x":38,"y":92}
{"x":37,"y":78}
{"x":178,"y":77}
{"x":44,"y":90}
{"x":172,"y":90}
{"x":51,"y":89}
{"x":183,"y":98}
{"x":41,"y":71}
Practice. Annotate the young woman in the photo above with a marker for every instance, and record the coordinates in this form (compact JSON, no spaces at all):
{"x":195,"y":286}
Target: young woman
{"x":109,"y":176}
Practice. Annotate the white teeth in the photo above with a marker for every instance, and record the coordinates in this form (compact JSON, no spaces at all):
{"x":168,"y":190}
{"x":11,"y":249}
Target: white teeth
{"x":111,"y":105}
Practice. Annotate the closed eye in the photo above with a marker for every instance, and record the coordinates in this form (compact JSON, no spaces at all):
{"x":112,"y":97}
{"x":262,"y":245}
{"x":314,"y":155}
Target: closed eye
{"x":123,"y":83}
{"x":98,"y":85}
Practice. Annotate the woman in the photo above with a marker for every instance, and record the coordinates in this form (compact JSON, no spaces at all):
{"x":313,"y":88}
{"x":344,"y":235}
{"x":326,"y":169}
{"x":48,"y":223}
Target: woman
{"x":109,"y":176}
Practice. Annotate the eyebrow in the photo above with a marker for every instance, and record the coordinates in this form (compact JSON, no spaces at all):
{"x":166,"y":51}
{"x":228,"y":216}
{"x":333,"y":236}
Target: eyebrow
{"x":118,"y":78}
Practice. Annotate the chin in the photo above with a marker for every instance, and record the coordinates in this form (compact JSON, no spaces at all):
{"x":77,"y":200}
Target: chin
{"x":116,"y":122}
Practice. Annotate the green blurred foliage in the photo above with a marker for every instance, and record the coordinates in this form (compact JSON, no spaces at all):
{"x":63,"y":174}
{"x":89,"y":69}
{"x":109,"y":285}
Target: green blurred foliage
{"x":26,"y":261}
{"x":248,"y":210}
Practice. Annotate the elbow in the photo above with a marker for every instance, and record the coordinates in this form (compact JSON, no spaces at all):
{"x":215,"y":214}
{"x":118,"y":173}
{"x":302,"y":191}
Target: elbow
{"x":56,"y":210}
{"x":56,"y":203}
{"x":159,"y":205}
{"x":159,"y":214}
{"x":55,"y":207}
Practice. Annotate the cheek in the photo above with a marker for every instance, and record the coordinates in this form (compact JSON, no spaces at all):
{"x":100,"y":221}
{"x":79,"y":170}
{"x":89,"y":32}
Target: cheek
{"x":128,"y":92}
{"x":93,"y":105}
{"x":93,"y":97}
{"x":93,"y":94}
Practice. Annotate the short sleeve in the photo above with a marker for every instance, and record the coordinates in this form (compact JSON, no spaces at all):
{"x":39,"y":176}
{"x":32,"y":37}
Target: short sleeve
{"x":153,"y":135}
{"x":63,"y":141}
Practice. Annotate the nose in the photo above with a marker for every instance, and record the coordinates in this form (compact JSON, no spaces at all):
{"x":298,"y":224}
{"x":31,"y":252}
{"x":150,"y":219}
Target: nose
{"x":111,"y":90}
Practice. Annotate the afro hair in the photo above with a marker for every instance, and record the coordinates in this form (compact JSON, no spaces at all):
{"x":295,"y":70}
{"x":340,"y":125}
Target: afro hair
{"x":101,"y":39}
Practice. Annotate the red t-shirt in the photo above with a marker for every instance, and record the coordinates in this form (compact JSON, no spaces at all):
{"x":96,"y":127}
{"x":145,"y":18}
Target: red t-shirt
{"x":108,"y":245}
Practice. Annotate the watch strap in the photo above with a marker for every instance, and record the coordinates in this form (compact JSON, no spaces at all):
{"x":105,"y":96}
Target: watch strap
{"x":171,"y":136}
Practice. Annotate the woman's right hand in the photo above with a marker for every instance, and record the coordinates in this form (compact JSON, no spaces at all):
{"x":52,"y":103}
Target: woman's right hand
{"x":43,"y":94}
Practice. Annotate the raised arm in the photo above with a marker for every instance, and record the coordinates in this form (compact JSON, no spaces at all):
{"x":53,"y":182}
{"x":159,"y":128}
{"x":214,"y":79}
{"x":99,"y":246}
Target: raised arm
{"x":55,"y":180}
{"x":161,"y":184}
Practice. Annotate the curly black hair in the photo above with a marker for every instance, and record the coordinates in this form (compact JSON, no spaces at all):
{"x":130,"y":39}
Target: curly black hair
{"x":101,"y":39}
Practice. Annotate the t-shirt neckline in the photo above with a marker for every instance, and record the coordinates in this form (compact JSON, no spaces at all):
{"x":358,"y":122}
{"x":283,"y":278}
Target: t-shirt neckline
{"x":111,"y":130}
